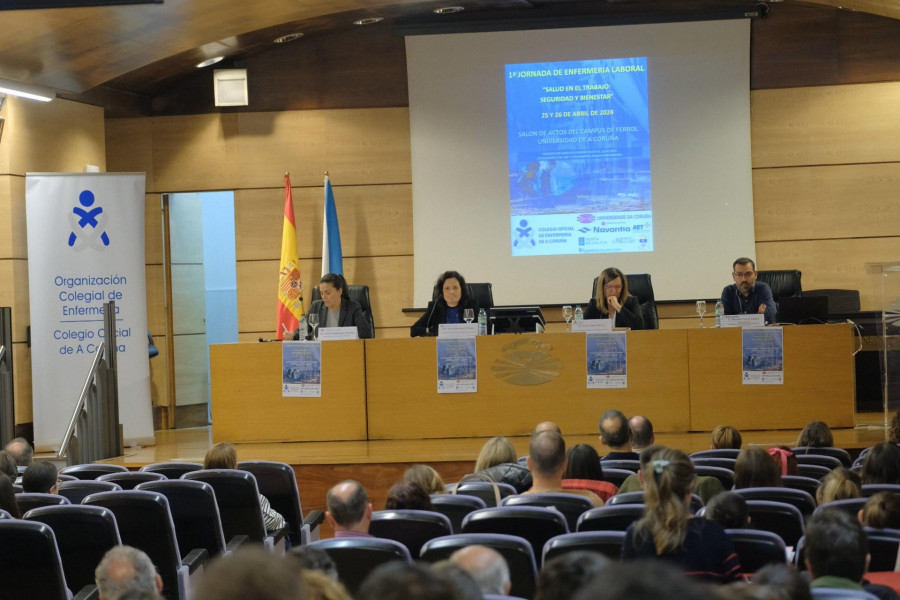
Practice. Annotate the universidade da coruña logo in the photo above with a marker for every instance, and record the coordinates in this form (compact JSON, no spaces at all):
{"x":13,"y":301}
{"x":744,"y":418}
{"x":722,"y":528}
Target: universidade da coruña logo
{"x":88,"y":224}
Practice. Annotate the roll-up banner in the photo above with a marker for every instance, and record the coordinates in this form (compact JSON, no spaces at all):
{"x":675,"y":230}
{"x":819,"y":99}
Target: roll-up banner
{"x":86,"y":247}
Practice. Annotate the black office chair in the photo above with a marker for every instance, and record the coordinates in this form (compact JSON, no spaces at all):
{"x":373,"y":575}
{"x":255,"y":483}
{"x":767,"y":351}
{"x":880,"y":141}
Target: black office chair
{"x":278,"y":483}
{"x":357,"y":293}
{"x":756,"y":549}
{"x":412,"y":528}
{"x":838,"y":453}
{"x":571,"y":506}
{"x":607,"y":543}
{"x":131,"y":479}
{"x":483,"y":294}
{"x":83,"y":533}
{"x":92,"y":470}
{"x":534,"y":523}
{"x":355,"y":558}
{"x":76,"y":491}
{"x":784,"y":283}
{"x":173,"y":469}
{"x":780,"y":518}
{"x":641,"y":287}
{"x":610,"y":517}
{"x":456,"y":506}
{"x":883,"y":547}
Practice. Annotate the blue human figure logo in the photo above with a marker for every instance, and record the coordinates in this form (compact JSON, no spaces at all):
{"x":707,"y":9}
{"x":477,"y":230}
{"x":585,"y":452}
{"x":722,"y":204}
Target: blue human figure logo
{"x":524,"y":232}
{"x":81,"y":218}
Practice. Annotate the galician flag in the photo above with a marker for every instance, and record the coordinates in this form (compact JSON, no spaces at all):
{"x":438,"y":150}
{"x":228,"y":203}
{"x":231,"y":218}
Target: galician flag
{"x":290,"y":288}
{"x":332,"y":258}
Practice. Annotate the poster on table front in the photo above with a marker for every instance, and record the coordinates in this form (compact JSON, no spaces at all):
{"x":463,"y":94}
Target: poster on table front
{"x":762,"y":356}
{"x":607,"y":360}
{"x":457,"y":371}
{"x":85,"y":248}
{"x":301,"y":369}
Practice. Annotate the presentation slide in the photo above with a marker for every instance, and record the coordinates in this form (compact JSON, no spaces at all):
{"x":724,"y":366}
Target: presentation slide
{"x":579,"y":145}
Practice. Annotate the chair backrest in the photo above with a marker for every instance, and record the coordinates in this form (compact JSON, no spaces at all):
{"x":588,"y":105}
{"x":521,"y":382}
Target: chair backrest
{"x":716,"y":453}
{"x":830,"y":462}
{"x":517,"y":551}
{"x":92,"y":470}
{"x":756,"y":549}
{"x":616,"y":476}
{"x":78,"y":490}
{"x":238,"y":498}
{"x":838,"y":453}
{"x":483,"y":294}
{"x":780,"y":518}
{"x":610,"y":517}
{"x":63,"y":477}
{"x":814,"y":471}
{"x":571,"y":506}
{"x":357,"y":293}
{"x":883,"y":546}
{"x":804,"y":501}
{"x":641,"y":287}
{"x":607,"y":543}
{"x":83,"y":535}
{"x":355,"y":558}
{"x":714,"y":461}
{"x":534,"y":523}
{"x":851,"y":506}
{"x":195,"y":514}
{"x":870,"y":489}
{"x":626,"y":465}
{"x":172,"y":470}
{"x":783,"y":283}
{"x":278,"y":483}
{"x":26,"y":501}
{"x":725,"y":476}
{"x":131,"y":479}
{"x":485,"y":490}
{"x":799,"y":482}
{"x":455,"y":507}
{"x":145,"y":522}
{"x":638,"y":498}
{"x":412,"y":528}
{"x":841,"y":594}
{"x":30,"y":566}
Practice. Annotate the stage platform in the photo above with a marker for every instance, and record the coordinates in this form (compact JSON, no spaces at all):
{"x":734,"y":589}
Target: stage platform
{"x":380,"y":464}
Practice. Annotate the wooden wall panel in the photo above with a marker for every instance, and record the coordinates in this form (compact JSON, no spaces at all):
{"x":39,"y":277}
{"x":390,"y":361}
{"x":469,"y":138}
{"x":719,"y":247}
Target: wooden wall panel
{"x":14,"y":293}
{"x":196,"y":153}
{"x":158,"y":378}
{"x":22,"y":383}
{"x":825,"y":125}
{"x":834,"y":263}
{"x":375,"y":220}
{"x":129,"y":146}
{"x":153,"y":238}
{"x":156,"y":300}
{"x":835,"y":201}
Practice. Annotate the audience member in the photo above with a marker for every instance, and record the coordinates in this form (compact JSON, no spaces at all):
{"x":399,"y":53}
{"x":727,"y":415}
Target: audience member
{"x":319,"y":586}
{"x":784,"y":578}
{"x":8,"y":497}
{"x":585,"y":472}
{"x":837,"y":553}
{"x":250,"y":572}
{"x":427,"y":478}
{"x":349,"y":510}
{"x":546,"y":426}
{"x":882,"y":464}
{"x":564,"y":575}
{"x":641,"y":432}
{"x":705,"y":487}
{"x":785,"y":460}
{"x":726,"y":437}
{"x":40,"y":477}
{"x":314,"y":559}
{"x":881,"y":511}
{"x":616,"y":434}
{"x":8,"y":465}
{"x":465,"y":584}
{"x":126,"y":570}
{"x":816,"y":434}
{"x":486,"y":566}
{"x":399,"y":580}
{"x":21,"y":451}
{"x":641,"y":580}
{"x":407,"y":495}
{"x":547,"y":463}
{"x":224,"y":456}
{"x":668,"y":529}
{"x":729,"y":510}
{"x":756,"y":468}
{"x":840,"y":484}
{"x":498,"y":461}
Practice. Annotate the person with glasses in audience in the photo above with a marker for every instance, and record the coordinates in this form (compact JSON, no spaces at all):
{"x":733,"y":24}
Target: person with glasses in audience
{"x":612,"y":301}
{"x":747,"y":296}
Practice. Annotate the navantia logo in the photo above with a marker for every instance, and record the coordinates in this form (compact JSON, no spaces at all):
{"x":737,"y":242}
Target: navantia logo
{"x":586,"y":218}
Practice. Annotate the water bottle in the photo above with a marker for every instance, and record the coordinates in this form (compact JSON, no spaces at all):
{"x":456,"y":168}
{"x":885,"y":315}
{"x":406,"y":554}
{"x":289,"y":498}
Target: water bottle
{"x":482,"y":322}
{"x":301,"y":328}
{"x":720,"y":311}
{"x":579,"y":314}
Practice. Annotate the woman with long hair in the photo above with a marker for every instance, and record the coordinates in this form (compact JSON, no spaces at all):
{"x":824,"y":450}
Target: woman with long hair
{"x":224,"y":456}
{"x":669,"y":530}
{"x":756,"y":468}
{"x":449,"y":300}
{"x":816,"y":434}
{"x":585,"y":472}
{"x":612,"y":301}
{"x":497,"y":460}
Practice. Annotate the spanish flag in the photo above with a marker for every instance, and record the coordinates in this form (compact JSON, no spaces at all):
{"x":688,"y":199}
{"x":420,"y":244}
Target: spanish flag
{"x":290,"y":288}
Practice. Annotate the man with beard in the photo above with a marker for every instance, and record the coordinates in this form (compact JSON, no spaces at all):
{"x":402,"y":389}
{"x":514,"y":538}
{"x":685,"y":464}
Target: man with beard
{"x":748,"y":296}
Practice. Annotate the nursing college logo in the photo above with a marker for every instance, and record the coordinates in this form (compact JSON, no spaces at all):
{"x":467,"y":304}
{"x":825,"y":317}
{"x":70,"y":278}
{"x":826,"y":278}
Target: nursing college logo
{"x":524,"y":234}
{"x":88,"y":225}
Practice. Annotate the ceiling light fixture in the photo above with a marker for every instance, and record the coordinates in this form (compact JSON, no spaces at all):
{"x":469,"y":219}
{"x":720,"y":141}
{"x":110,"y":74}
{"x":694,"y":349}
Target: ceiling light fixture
{"x":210,"y":61}
{"x":368,"y":21}
{"x":448,"y":10}
{"x":288,"y":38}
{"x":26,"y":90}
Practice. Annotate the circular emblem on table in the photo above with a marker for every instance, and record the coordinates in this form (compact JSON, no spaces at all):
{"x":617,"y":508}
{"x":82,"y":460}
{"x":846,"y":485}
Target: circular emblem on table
{"x":527,"y":361}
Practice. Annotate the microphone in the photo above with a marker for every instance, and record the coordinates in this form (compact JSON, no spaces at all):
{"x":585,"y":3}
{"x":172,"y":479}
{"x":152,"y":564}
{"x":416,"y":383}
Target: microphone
{"x":430,"y":315}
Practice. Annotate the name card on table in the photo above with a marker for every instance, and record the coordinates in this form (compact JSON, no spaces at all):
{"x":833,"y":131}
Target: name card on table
{"x":329,"y":334}
{"x":593,"y":325}
{"x":457,"y":330}
{"x":743,"y":320}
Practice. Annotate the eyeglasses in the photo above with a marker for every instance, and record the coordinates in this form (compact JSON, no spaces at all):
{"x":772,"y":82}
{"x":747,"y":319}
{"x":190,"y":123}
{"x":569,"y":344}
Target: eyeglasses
{"x":613,"y":288}
{"x":746,"y":275}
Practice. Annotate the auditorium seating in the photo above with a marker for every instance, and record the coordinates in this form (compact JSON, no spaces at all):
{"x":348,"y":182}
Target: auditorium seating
{"x":607,"y":543}
{"x":92,"y":471}
{"x":780,"y":518}
{"x":725,"y":476}
{"x":483,"y":294}
{"x":871,"y":489}
{"x":412,"y":528}
{"x":131,"y":479}
{"x":638,"y":498}
{"x":829,"y":462}
{"x":799,"y":482}
{"x":814,"y":471}
{"x":278,"y":483}
{"x":28,"y":500}
{"x":535,"y":524}
{"x":627,"y":465}
{"x":76,"y":491}
{"x":838,"y":453}
{"x":616,"y":476}
{"x":756,"y":548}
{"x":851,"y":506}
{"x":456,"y":506}
{"x":571,"y":506}
{"x":172,"y":470}
{"x":485,"y":490}
{"x":883,"y":547}
{"x":714,"y":461}
{"x":610,"y":517}
{"x":355,"y":558}
{"x":803,"y":501}
{"x":716,"y":453}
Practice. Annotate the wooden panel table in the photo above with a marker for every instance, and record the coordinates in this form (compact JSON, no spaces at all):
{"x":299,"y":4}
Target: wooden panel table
{"x":818,"y":384}
{"x":247,"y":405}
{"x":522,"y":379}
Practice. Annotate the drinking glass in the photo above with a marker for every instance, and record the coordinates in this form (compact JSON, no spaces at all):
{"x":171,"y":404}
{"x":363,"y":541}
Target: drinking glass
{"x":313,"y":320}
{"x":701,"y":310}
{"x":567,"y":314}
{"x":468,"y":315}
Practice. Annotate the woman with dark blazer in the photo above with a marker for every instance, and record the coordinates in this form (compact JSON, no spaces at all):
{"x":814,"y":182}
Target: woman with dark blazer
{"x":335,"y":301}
{"x":612,"y":301}
{"x":450,"y":299}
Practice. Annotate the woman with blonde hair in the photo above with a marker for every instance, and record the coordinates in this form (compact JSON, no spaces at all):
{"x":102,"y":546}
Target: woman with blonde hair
{"x":612,"y":301}
{"x":497,"y":460}
{"x":726,"y":436}
{"x":668,"y":529}
{"x":427,"y":478}
{"x":882,"y":511}
{"x":839,"y":484}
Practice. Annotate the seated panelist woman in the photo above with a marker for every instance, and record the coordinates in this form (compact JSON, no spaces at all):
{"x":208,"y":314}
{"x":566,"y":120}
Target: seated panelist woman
{"x":450,"y":299}
{"x":336,"y":309}
{"x":612,"y":301}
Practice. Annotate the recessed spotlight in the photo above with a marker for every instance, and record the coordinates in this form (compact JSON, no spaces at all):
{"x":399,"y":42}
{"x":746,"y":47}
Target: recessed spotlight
{"x":368,"y":21}
{"x":448,"y":10}
{"x":210,"y":61}
{"x":288,"y":38}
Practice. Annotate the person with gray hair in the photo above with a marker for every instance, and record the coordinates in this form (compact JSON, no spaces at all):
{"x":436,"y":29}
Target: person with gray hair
{"x":641,"y":432}
{"x":21,"y":451}
{"x":349,"y":510}
{"x":127,"y":571}
{"x":486,"y":566}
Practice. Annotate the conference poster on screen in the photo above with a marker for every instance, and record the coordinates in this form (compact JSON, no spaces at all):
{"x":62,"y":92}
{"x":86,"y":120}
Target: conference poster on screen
{"x":579,"y":157}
